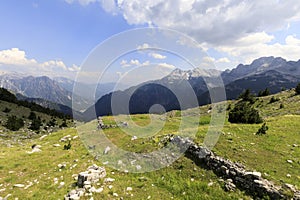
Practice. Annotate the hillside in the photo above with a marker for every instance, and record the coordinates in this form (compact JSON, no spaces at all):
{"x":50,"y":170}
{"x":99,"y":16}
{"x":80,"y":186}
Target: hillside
{"x":265,"y":72}
{"x":275,"y":154}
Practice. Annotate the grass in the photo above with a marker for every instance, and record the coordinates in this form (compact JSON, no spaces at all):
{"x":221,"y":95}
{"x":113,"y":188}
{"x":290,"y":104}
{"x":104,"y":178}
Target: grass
{"x":182,"y":179}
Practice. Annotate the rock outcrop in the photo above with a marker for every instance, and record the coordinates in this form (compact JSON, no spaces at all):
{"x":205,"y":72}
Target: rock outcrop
{"x":235,"y":174}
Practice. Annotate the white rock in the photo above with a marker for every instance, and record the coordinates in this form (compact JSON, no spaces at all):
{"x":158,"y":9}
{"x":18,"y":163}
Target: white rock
{"x":99,"y":190}
{"x":56,"y":145}
{"x":134,"y":138}
{"x":43,"y":137}
{"x":290,"y":161}
{"x":115,"y":194}
{"x":109,"y":180}
{"x":138,"y":167}
{"x":19,"y":185}
{"x":107,"y":149}
{"x":288,"y":175}
{"x":110,"y":187}
{"x":129,"y":189}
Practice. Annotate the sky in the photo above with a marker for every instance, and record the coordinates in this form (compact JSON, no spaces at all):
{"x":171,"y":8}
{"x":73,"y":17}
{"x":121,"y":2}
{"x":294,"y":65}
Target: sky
{"x":57,"y":37}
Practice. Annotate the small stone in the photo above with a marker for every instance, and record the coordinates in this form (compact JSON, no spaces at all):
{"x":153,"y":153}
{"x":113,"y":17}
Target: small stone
{"x":110,"y":187}
{"x":109,"y":180}
{"x":19,"y":185}
{"x":56,"y":145}
{"x":115,"y":194}
{"x":129,"y":189}
{"x":290,"y":161}
{"x":134,"y":138}
{"x":210,"y":184}
{"x":288,"y":175}
{"x":107,"y":149}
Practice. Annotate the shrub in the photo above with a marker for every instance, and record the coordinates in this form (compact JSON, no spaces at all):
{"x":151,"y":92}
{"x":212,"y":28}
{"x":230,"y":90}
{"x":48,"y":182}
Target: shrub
{"x":32,"y":116}
{"x":263,"y":93}
{"x":7,"y":110}
{"x":273,"y":99}
{"x":64,"y":124}
{"x":243,"y":112}
{"x":298,"y":89}
{"x":13,"y":123}
{"x":247,"y":96}
{"x":262,"y":130}
{"x":67,"y":146}
{"x":36,"y":124}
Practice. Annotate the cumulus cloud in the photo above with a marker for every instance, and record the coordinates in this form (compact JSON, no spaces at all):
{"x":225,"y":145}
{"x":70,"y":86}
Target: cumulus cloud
{"x":166,"y":65}
{"x":157,"y":56}
{"x":16,"y":60}
{"x":247,"y":52}
{"x":143,"y":46}
{"x":239,"y":29}
{"x":213,"y":21}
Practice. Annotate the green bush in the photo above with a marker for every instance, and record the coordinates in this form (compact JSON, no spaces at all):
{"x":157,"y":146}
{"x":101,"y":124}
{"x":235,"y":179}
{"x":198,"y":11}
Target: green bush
{"x":263,"y":93}
{"x":32,"y":116}
{"x":298,"y":89}
{"x":243,"y":112}
{"x":247,"y":96}
{"x":67,"y":146}
{"x":7,"y":110}
{"x":262,"y":130}
{"x":13,"y":123}
{"x":36,"y":124}
{"x":273,"y":99}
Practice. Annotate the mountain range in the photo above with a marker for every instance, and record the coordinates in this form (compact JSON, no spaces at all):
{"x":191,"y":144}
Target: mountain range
{"x":266,"y":72}
{"x":274,"y":73}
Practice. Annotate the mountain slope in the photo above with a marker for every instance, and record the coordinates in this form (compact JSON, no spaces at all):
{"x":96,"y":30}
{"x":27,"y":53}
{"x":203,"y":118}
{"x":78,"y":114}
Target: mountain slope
{"x":42,"y":88}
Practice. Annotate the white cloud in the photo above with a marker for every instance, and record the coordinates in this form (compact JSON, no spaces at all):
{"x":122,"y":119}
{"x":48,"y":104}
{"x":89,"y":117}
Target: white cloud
{"x":223,"y":60}
{"x":247,"y":52}
{"x":143,"y":46}
{"x":135,"y":62}
{"x":166,"y":65}
{"x":157,"y":56}
{"x":16,"y":60}
{"x":213,"y":21}
{"x":15,"y":56}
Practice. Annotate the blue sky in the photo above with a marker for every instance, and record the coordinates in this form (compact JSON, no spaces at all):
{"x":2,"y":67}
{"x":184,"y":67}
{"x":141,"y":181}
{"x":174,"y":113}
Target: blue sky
{"x":53,"y":37}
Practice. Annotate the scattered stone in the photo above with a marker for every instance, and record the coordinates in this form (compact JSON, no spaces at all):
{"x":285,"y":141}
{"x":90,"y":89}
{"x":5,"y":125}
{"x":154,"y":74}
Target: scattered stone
{"x":35,"y":148}
{"x":138,"y":167}
{"x":56,"y":145}
{"x":62,"y":166}
{"x":107,"y":149}
{"x":210,"y":184}
{"x":61,"y":184}
{"x":229,"y":185}
{"x":134,"y":138}
{"x":129,"y":189}
{"x":43,"y":137}
{"x":19,"y":185}
{"x":290,"y":161}
{"x":109,"y":180}
{"x":288,"y":175}
{"x":115,"y":194}
{"x":65,"y":138}
{"x":234,"y":173}
{"x":75,"y":137}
